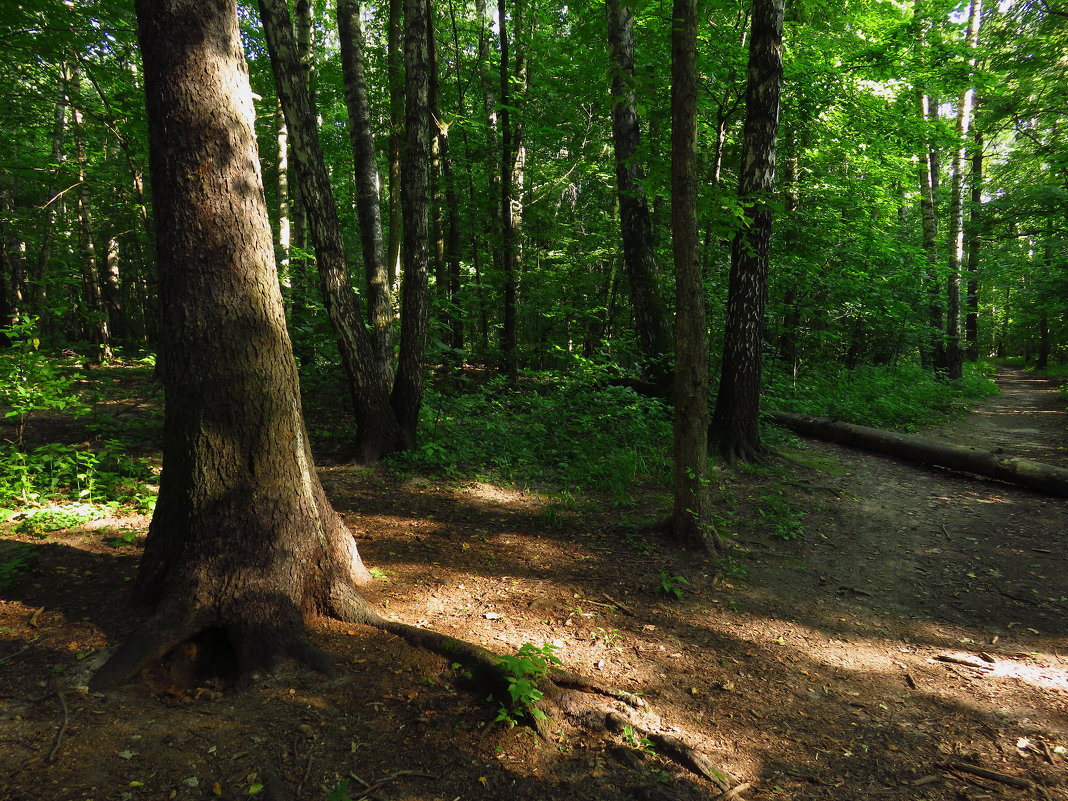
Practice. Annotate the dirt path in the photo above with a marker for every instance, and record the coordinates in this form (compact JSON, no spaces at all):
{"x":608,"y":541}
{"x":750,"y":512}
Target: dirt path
{"x":808,"y":669}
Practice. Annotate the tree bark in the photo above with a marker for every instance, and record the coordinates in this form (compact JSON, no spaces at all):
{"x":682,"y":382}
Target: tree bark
{"x":95,"y":316}
{"x":379,"y":303}
{"x":933,"y":352}
{"x":395,"y":77}
{"x":407,"y":398}
{"x":1034,"y":475}
{"x":735,"y":430}
{"x":243,"y":542}
{"x":378,"y":431}
{"x":508,"y":334}
{"x":639,"y":257}
{"x":954,"y":347}
{"x":971,"y":320}
{"x":691,"y":515}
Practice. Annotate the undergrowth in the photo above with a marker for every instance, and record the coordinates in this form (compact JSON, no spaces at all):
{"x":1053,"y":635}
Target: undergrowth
{"x":577,"y":430}
{"x":901,"y":398}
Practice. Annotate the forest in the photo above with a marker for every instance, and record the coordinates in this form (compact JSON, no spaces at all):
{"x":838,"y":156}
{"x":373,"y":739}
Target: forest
{"x":385,"y":367}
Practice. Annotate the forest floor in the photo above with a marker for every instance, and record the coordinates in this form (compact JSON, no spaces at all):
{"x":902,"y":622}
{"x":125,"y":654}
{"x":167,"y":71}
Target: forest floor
{"x":918,"y":621}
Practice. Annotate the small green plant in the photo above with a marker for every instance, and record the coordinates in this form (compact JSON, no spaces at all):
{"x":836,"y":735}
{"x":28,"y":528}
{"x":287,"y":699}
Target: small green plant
{"x":523,"y":670}
{"x":671,"y":585}
{"x":127,"y":537}
{"x":13,"y":566}
{"x":783,"y":519}
{"x":635,"y":740}
{"x":340,"y":791}
{"x":607,"y":636}
{"x":56,"y":518}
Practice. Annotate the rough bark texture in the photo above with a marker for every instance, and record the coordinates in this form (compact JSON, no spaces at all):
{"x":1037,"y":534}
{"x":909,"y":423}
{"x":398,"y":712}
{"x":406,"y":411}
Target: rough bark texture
{"x":243,"y":540}
{"x":1034,"y":475}
{"x":954,"y":346}
{"x":639,"y":257}
{"x":691,"y":515}
{"x":407,"y":396}
{"x":379,"y":304}
{"x":378,"y":431}
{"x":735,"y":429}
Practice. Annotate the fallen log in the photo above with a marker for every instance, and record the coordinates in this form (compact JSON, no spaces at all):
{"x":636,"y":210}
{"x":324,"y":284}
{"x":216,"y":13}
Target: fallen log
{"x":1027,"y":473}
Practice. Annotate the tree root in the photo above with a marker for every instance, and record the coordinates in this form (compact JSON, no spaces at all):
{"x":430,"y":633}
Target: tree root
{"x":487,"y":670}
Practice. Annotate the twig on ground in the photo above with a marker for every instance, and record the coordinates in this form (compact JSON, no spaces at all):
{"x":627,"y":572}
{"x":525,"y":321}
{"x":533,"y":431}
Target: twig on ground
{"x":62,"y":729}
{"x":23,"y":649}
{"x":967,"y":661}
{"x":622,"y":608}
{"x":993,"y":775}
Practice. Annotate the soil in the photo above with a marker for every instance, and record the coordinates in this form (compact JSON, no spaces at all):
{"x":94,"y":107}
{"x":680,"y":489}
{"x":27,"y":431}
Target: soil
{"x":916,"y":623}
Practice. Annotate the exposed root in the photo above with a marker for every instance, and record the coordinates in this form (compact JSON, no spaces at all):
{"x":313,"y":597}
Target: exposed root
{"x":488,"y":671}
{"x":148,"y":643}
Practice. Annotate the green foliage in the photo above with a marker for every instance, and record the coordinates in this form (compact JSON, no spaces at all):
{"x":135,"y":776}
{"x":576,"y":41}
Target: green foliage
{"x":523,"y":670}
{"x":56,"y":518}
{"x":574,"y":429}
{"x":12,"y":567}
{"x":901,"y":398}
{"x":30,"y":380}
{"x":636,"y":740}
{"x":671,"y":585}
{"x":56,"y":472}
{"x":782,"y":517}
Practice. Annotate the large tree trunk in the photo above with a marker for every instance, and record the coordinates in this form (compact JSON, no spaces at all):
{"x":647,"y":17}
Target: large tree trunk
{"x":1034,"y":475}
{"x":407,"y":398}
{"x":691,"y":515}
{"x":243,"y":541}
{"x":735,"y":430}
{"x":378,"y":432}
{"x":639,"y":258}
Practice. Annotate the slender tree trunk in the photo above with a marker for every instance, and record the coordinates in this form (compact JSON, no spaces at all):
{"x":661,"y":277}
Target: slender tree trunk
{"x":735,"y":425}
{"x":36,"y":290}
{"x":934,"y":352}
{"x":96,"y":319}
{"x":284,"y":240}
{"x":243,"y":543}
{"x":378,"y":432}
{"x":954,"y":348}
{"x":379,"y":303}
{"x":395,"y":77}
{"x":407,"y":396}
{"x":112,"y":293}
{"x":691,"y":515}
{"x":508,"y":334}
{"x":639,"y":257}
{"x":971,"y":321}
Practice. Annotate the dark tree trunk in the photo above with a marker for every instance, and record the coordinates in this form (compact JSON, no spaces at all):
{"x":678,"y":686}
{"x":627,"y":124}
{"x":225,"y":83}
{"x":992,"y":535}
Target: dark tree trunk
{"x":691,"y":514}
{"x":639,"y":257}
{"x":407,"y":396}
{"x":379,"y":304}
{"x":378,"y":431}
{"x":735,"y":430}
{"x":971,"y":320}
{"x":243,"y":541}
